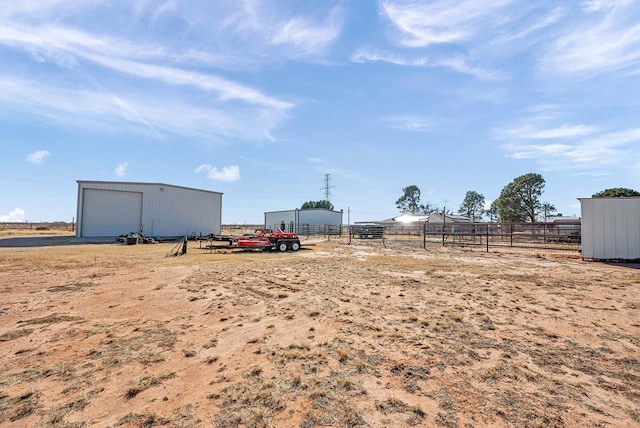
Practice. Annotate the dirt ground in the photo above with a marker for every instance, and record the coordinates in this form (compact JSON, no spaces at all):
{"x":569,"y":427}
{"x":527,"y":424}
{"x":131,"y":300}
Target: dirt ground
{"x":333,"y":335}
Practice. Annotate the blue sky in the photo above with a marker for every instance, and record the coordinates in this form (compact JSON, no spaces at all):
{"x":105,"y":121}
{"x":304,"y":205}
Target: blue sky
{"x":260,"y":99}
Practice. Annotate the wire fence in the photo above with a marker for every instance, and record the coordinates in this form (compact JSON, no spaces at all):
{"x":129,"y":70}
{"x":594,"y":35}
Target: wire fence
{"x":489,"y":237}
{"x":326,"y":231}
{"x":28,"y":226}
{"x":544,"y":237}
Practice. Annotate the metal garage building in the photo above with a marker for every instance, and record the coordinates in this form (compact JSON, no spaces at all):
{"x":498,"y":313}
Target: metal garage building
{"x":611,"y":228}
{"x":314,"y":220}
{"x":109,"y":209}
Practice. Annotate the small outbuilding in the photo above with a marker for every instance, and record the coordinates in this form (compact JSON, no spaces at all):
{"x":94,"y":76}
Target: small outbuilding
{"x":109,"y":209}
{"x":610,"y":228}
{"x":307,"y":221}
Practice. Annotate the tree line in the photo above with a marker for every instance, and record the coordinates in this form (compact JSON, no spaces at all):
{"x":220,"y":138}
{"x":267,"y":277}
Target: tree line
{"x":519,"y":201}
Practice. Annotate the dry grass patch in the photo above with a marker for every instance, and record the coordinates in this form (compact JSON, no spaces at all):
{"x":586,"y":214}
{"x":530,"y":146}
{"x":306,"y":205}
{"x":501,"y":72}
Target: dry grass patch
{"x":146,"y":382}
{"x":50,"y":319}
{"x":252,"y":402}
{"x":14,"y":334}
{"x":394,"y":406}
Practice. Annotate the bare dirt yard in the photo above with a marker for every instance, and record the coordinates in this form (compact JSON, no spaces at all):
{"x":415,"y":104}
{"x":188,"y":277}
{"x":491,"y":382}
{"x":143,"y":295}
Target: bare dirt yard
{"x":330,"y":336}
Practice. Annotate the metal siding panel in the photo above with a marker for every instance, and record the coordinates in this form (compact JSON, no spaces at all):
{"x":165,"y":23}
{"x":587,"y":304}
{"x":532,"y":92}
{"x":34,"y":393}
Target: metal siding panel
{"x":620,"y":233}
{"x":632,"y":228}
{"x":320,"y":217}
{"x":110,"y":213}
{"x":610,"y":241}
{"x":596,"y":230}
{"x":609,"y":224}
{"x":586,"y":225}
{"x":611,"y":228}
{"x":601,"y":229}
{"x":180,"y":211}
{"x":273,"y":219}
{"x":635,"y":230}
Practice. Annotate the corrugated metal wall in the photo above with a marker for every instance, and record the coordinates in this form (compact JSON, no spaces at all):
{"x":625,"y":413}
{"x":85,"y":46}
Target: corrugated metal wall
{"x":167,"y":210}
{"x":320,"y":216}
{"x":314,"y":216}
{"x":610,"y":228}
{"x":273,"y":219}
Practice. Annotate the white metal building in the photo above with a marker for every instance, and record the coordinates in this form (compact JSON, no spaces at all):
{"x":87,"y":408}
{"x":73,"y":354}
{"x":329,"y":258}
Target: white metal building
{"x":109,"y":209}
{"x":610,"y":228}
{"x":300,"y":221}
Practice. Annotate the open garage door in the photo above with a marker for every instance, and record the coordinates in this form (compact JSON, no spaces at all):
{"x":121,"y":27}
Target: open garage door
{"x":110,"y":212}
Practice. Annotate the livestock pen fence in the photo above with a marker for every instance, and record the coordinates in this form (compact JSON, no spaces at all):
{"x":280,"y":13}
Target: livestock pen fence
{"x":326,"y":231}
{"x":490,"y":237}
{"x":508,"y":237}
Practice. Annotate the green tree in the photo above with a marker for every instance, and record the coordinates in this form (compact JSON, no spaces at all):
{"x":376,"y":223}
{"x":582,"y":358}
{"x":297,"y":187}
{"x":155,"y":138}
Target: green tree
{"x":616,"y":192}
{"x":548,"y":209}
{"x":428,"y":208}
{"x":472,"y":206}
{"x":409,"y":202}
{"x":492,"y":212}
{"x":520,"y":199}
{"x":317,"y":204}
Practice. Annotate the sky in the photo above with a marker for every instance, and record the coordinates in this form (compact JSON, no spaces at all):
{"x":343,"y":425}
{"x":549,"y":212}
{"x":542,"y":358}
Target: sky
{"x":260,"y":100}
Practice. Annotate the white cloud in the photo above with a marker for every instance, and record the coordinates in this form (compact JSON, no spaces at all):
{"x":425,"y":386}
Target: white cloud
{"x":275,"y":29}
{"x":38,"y":156}
{"x":42,"y":8}
{"x":598,"y":5}
{"x":15,"y":216}
{"x":592,"y":37}
{"x":461,"y":64}
{"x":64,"y":45}
{"x":121,"y":169}
{"x":228,"y":173}
{"x":440,"y":21}
{"x":150,"y":113}
{"x":364,"y":55}
{"x":526,"y":29}
{"x":306,"y":36}
{"x":182,"y":97}
{"x":226,"y":89}
{"x":604,"y":149}
{"x":457,"y":63}
{"x":608,"y":39}
{"x":537,"y":133}
{"x":407,"y":123}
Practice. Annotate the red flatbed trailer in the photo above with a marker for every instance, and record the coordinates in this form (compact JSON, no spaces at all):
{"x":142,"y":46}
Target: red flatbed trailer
{"x":262,"y":240}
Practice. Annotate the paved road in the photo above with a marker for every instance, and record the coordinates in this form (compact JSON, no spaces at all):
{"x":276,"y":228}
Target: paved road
{"x":35,"y":241}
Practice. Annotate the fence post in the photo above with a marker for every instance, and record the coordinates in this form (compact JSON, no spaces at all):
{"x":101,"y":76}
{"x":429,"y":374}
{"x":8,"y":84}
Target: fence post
{"x":487,"y":238}
{"x":511,"y":234}
{"x":424,"y":235}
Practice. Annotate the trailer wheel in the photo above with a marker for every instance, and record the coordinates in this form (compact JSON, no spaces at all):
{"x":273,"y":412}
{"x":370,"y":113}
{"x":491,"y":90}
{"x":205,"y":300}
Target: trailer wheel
{"x":282,"y":246}
{"x":295,"y":246}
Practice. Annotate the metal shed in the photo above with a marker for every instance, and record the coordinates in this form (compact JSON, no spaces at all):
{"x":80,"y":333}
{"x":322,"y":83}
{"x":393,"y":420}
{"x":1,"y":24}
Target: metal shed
{"x":109,"y":209}
{"x":304,"y":221}
{"x":610,"y":228}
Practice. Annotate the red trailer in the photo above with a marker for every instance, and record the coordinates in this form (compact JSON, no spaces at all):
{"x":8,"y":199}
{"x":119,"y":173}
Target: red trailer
{"x":263,"y":239}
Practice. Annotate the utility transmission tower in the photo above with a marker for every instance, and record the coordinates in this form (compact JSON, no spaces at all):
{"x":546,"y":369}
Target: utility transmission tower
{"x":327,"y":187}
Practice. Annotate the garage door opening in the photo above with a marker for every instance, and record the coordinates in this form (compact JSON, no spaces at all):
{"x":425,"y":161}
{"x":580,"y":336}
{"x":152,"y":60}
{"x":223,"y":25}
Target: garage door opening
{"x":110,"y":213}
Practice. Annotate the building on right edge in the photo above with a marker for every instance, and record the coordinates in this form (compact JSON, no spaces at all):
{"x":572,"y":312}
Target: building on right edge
{"x":610,"y":228}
